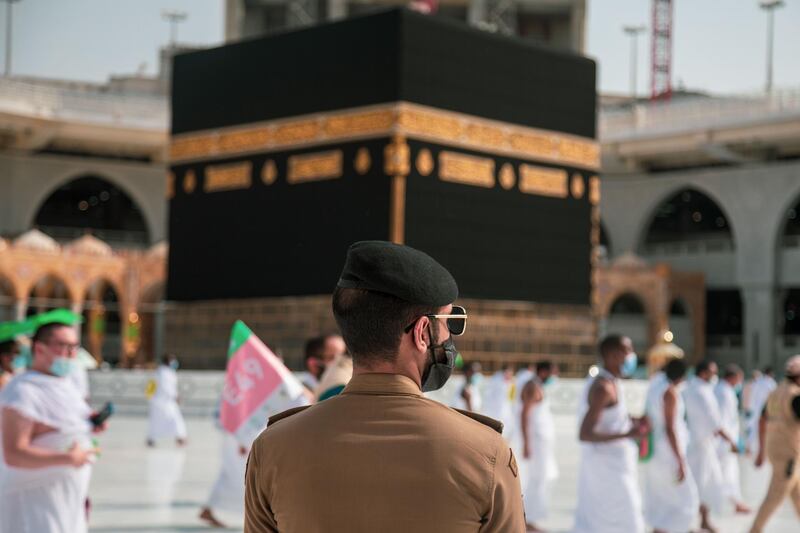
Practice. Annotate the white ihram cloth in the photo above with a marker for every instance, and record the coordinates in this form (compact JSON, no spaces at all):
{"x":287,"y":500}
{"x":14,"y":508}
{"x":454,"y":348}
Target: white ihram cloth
{"x":497,"y":403}
{"x":761,"y":389}
{"x":458,"y":401}
{"x":702,"y":413}
{"x":51,"y":499}
{"x":79,"y":376}
{"x":538,"y":471}
{"x":522,"y":377}
{"x":669,"y":505}
{"x":165,"y":419}
{"x":729,"y":416}
{"x":656,"y":387}
{"x":227,"y":494}
{"x":608,"y":490}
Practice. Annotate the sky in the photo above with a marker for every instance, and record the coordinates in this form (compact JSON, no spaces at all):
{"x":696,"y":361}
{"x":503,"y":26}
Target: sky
{"x":718,"y":45}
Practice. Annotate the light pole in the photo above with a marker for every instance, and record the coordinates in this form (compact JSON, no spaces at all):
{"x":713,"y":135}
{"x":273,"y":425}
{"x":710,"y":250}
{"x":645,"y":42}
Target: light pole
{"x":633,"y":32}
{"x":174,"y":18}
{"x":770,"y":6}
{"x":9,"y":14}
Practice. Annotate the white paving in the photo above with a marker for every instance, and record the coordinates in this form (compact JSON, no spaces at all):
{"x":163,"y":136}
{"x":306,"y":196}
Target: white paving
{"x":137,"y":489}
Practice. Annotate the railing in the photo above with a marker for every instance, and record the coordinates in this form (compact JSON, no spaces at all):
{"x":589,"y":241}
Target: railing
{"x":83,"y":104}
{"x":690,"y":113}
{"x":200,"y":391}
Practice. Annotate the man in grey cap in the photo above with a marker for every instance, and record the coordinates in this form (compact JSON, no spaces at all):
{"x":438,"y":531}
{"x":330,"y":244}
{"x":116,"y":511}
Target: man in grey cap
{"x":394,"y":460}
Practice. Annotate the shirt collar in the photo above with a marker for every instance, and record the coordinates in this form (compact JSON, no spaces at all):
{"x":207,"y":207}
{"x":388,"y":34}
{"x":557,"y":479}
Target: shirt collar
{"x":386,"y":384}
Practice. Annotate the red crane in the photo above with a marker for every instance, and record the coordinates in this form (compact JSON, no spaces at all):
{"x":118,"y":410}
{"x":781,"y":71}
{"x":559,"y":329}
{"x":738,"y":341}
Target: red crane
{"x":661,"y":52}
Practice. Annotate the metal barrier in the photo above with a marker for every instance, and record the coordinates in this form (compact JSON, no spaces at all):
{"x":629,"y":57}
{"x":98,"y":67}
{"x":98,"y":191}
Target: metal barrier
{"x":200,"y":391}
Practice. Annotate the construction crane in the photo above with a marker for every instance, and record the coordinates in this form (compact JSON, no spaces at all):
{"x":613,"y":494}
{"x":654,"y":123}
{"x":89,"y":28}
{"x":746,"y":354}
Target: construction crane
{"x":661,"y":51}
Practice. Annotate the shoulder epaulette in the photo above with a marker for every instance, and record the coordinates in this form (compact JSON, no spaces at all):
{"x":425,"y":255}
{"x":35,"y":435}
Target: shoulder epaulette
{"x":485,"y":420}
{"x":285,"y":414}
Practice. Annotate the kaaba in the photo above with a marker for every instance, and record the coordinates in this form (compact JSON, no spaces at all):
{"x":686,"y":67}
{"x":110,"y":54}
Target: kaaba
{"x":476,"y":148}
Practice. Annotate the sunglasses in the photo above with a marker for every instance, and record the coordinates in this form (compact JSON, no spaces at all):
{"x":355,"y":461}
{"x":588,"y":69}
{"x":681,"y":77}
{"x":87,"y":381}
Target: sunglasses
{"x":63,"y":346}
{"x":456,"y":321}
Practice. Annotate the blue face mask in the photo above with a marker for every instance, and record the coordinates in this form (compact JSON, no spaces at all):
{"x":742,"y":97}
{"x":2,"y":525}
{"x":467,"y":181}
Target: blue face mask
{"x":21,"y":361}
{"x":61,"y":366}
{"x":737,"y":388}
{"x":551,"y":381}
{"x":630,"y":365}
{"x":174,"y":364}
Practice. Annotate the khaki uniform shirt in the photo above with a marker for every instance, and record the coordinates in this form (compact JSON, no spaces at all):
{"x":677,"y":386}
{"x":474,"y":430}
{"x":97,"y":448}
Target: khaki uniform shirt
{"x":783,"y":426}
{"x":381,"y":458}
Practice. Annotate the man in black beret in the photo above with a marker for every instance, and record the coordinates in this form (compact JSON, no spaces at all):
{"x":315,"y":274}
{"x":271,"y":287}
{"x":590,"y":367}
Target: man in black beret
{"x":380,"y":456}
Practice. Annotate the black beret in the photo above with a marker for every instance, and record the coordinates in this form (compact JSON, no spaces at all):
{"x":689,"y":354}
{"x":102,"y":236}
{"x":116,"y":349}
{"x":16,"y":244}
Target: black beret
{"x":400,"y":271}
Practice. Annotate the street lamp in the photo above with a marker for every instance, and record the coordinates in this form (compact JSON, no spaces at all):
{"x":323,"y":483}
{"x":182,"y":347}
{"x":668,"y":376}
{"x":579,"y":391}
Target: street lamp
{"x":633,"y":32}
{"x":9,"y":14}
{"x":770,"y":6}
{"x":174,"y":18}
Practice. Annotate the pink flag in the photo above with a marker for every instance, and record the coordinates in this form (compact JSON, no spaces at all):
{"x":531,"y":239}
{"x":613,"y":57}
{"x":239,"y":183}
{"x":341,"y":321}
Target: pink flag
{"x":257,"y":386}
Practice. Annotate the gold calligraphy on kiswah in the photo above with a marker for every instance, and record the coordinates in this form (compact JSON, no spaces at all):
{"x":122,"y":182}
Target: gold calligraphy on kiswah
{"x":315,"y":166}
{"x":466,"y":169}
{"x":228,"y":177}
{"x":543,"y":181}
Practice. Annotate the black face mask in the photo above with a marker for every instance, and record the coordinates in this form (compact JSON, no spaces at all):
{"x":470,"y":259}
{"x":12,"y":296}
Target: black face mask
{"x":437,"y":374}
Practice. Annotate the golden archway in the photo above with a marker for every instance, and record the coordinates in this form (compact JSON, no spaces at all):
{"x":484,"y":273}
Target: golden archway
{"x":37,"y":273}
{"x":656,"y":286}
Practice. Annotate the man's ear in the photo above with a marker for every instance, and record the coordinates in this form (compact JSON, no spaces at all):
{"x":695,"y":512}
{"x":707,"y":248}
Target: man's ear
{"x":421,"y":334}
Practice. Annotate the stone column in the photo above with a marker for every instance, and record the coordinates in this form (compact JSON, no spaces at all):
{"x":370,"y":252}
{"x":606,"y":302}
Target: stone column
{"x":577,"y":17}
{"x":337,"y":9}
{"x":158,"y":333}
{"x":130,"y":335}
{"x":234,"y":20}
{"x":95,"y":341}
{"x":20,"y":309}
{"x":759,"y":328}
{"x":661,"y":302}
{"x":476,"y":12}
{"x":77,"y":308}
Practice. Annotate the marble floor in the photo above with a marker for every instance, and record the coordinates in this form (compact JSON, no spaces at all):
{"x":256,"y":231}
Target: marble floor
{"x":139,"y":489}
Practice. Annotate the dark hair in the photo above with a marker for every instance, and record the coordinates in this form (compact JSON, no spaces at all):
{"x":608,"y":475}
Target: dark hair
{"x":610,"y":342}
{"x":703,"y":366}
{"x":675,"y":370}
{"x":768,"y":371}
{"x":732,"y":370}
{"x":44,"y":332}
{"x":315,"y":346}
{"x":167,"y":358}
{"x":544,"y":366}
{"x":372,"y":323}
{"x":8,"y":347}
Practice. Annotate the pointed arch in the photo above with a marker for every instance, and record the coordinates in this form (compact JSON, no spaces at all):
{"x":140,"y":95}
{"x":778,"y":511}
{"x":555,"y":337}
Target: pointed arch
{"x":95,"y":203}
{"x":688,"y":216}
